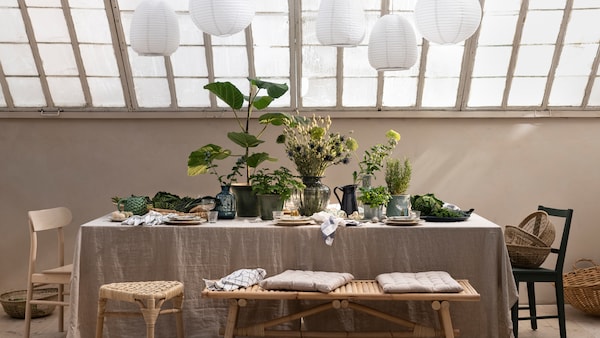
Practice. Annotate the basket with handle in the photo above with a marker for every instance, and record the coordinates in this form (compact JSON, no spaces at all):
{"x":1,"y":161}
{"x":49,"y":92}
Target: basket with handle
{"x":582,"y":287}
{"x":524,"y":249}
{"x":538,"y":224}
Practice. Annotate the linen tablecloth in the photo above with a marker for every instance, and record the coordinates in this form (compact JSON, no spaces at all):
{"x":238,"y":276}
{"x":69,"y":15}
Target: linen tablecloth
{"x":110,"y":252}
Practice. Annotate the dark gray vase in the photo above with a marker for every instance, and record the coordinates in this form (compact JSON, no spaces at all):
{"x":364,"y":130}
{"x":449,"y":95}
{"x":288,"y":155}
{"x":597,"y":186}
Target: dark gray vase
{"x":245,"y":200}
{"x":267,"y":204}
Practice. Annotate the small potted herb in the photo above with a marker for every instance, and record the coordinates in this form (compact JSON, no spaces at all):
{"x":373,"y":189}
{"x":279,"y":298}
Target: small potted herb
{"x":273,"y":188}
{"x":373,"y":199}
{"x":397,"y":178}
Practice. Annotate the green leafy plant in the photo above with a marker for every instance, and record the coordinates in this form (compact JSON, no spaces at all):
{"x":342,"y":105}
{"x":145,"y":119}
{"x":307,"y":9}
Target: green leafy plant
{"x":372,"y":160}
{"x":374,"y":196}
{"x":397,"y":175}
{"x":202,"y":160}
{"x":279,"y":182}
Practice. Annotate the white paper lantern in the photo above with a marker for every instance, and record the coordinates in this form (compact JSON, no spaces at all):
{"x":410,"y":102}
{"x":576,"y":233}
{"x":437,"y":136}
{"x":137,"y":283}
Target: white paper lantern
{"x":447,"y":21}
{"x":392,"y":44}
{"x":341,"y":23}
{"x":222,"y":17}
{"x":154,"y":29}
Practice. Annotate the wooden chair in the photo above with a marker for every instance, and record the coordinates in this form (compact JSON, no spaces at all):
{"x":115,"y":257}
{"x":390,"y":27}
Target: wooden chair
{"x":543,"y":275}
{"x":149,"y":296}
{"x":44,"y":220}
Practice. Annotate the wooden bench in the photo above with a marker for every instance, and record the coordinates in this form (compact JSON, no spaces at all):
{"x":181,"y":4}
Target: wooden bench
{"x":341,"y":297}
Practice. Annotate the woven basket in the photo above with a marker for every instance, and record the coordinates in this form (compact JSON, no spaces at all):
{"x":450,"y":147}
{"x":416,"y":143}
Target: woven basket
{"x":523,"y":256}
{"x":518,"y":236}
{"x":538,"y":224}
{"x":14,"y":302}
{"x":582,"y":287}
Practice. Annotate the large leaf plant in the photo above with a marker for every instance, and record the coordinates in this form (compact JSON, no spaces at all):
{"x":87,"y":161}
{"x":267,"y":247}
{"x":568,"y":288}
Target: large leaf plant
{"x":202,"y":160}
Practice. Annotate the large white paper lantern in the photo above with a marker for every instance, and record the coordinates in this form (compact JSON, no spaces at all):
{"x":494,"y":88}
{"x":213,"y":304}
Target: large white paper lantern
{"x":222,"y":17}
{"x":447,"y":21}
{"x":341,"y":23}
{"x":154,"y":29}
{"x":392,"y":44}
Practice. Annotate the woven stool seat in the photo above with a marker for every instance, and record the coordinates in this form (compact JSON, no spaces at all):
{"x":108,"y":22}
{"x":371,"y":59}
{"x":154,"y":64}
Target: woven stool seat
{"x":149,"y":296}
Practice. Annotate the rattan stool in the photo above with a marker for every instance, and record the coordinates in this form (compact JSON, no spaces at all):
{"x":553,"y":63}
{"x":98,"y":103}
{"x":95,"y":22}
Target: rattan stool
{"x":150,"y":297}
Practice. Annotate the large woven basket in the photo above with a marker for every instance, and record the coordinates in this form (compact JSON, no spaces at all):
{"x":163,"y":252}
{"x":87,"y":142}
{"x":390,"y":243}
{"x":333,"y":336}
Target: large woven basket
{"x":538,"y":224}
{"x":582,"y":287}
{"x":518,"y":236}
{"x":524,"y":256}
{"x":13,"y":302}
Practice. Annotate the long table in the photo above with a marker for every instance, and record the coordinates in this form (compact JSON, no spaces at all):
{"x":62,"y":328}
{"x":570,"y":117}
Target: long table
{"x":110,"y":252}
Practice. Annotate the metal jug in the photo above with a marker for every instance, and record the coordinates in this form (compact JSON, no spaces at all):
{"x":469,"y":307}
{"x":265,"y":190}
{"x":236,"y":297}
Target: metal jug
{"x":348,"y":200}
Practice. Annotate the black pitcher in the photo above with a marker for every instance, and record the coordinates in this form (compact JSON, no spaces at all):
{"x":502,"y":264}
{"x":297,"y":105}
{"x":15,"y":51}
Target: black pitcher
{"x":348,"y":201}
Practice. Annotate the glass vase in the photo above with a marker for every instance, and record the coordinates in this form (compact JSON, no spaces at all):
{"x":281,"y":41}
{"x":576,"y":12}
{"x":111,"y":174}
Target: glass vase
{"x":226,"y":203}
{"x":314,"y":197}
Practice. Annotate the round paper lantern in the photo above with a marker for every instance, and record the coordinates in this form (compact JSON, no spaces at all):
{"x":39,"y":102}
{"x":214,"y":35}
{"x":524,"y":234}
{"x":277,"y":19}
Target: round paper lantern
{"x":392,"y":44}
{"x":447,"y":21}
{"x":340,"y":23}
{"x":154,"y":29}
{"x":222,"y":17}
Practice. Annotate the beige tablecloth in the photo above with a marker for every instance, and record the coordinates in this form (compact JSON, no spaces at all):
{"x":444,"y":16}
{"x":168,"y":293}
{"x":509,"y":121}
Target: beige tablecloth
{"x":110,"y":252}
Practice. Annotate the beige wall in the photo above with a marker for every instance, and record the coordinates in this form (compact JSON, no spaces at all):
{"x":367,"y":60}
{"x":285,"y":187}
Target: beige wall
{"x":503,"y":168}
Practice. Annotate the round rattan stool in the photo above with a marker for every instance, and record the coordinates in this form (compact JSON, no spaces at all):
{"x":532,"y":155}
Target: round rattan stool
{"x":149,"y":296}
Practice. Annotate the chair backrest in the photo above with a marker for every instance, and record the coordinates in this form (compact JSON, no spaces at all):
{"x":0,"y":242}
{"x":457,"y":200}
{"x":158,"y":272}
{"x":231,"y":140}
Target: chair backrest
{"x":48,"y":219}
{"x":567,"y":214}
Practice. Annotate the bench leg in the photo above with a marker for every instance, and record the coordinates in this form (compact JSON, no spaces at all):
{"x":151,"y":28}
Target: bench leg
{"x":231,"y":318}
{"x":443,"y":309}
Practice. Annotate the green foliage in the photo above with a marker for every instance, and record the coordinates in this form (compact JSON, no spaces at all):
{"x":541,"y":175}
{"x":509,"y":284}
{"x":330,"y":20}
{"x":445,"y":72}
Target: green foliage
{"x":372,"y":160}
{"x":279,"y":182}
{"x":429,"y":205}
{"x":397,"y":176}
{"x":201,"y":161}
{"x":374,"y":196}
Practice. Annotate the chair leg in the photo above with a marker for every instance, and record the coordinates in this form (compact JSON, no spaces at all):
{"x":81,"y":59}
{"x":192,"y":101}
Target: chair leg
{"x":514,"y":311}
{"x":178,"y":304}
{"x":531,"y":300}
{"x":100,"y":318}
{"x":28,"y":311}
{"x":560,"y":305}
{"x":61,"y":312}
{"x":150,"y":311}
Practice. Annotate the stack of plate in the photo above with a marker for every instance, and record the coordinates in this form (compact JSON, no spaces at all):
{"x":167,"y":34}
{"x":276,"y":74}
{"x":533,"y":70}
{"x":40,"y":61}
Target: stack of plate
{"x":402,"y":220}
{"x":294,"y":220}
{"x":184,"y":220}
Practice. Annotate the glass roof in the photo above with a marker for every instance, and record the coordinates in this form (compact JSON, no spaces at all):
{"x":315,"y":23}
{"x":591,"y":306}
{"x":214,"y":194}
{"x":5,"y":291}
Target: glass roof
{"x":75,"y":56}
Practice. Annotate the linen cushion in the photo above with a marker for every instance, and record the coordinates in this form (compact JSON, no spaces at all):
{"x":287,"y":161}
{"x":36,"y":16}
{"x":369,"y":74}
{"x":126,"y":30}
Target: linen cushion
{"x":427,"y":281}
{"x":300,"y":280}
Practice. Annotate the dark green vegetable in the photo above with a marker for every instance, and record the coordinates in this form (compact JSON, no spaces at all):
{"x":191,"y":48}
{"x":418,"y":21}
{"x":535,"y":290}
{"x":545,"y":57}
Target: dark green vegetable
{"x":429,"y":205}
{"x":165,"y":200}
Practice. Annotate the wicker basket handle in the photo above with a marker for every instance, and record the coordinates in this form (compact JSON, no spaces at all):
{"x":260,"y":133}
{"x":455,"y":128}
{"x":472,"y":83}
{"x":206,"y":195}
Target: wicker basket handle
{"x":587,"y":260}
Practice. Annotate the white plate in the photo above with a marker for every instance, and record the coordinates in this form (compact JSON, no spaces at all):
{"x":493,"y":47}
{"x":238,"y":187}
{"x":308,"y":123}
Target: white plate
{"x":414,"y":221}
{"x":185,"y":222}
{"x":294,"y":221}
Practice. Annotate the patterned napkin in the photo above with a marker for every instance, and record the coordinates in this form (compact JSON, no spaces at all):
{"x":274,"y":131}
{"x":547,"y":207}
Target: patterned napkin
{"x":238,"y":279}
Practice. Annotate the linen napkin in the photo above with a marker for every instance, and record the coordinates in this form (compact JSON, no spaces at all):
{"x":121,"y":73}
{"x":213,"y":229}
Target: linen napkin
{"x":329,"y":224}
{"x":238,"y":279}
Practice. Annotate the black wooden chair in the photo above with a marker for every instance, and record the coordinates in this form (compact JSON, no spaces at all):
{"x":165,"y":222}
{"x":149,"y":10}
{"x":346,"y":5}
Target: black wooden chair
{"x":543,"y":275}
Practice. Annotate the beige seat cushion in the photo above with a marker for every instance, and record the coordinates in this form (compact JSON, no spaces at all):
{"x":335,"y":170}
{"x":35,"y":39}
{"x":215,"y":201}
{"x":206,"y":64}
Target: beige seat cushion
{"x":300,"y":280}
{"x":427,"y":281}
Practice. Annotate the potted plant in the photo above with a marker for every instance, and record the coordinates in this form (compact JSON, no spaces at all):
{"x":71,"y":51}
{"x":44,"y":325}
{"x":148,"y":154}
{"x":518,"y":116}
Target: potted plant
{"x":397,"y":179}
{"x":272,"y":189}
{"x":372,"y":160}
{"x":202,"y":160}
{"x":373,"y":199}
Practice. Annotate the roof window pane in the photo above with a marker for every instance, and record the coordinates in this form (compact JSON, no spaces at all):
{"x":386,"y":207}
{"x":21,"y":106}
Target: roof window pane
{"x":106,"y":92}
{"x":66,"y":91}
{"x":541,"y":27}
{"x":12,"y":28}
{"x":318,"y":92}
{"x":359,"y":92}
{"x":440,"y":92}
{"x":547,"y":4}
{"x":490,"y":34}
{"x":534,"y":60}
{"x":491,"y":61}
{"x":43,"y":3}
{"x":272,"y":61}
{"x":230,"y":61}
{"x":237,"y":39}
{"x":189,"y":34}
{"x":595,"y":94}
{"x":86,"y":4}
{"x":189,"y":61}
{"x":486,"y":92}
{"x":91,"y":26}
{"x":576,"y":60}
{"x":99,"y":60}
{"x":17,"y":60}
{"x":26,"y":91}
{"x":527,"y":91}
{"x":399,"y":92}
{"x":152,"y":92}
{"x":567,"y":91}
{"x":271,"y":30}
{"x":147,"y":66}
{"x":502,"y":6}
{"x":191,"y":92}
{"x":49,"y":25}
{"x":319,"y":61}
{"x":579,"y":28}
{"x":58,"y":59}
{"x":356,"y":62}
{"x":444,"y":61}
